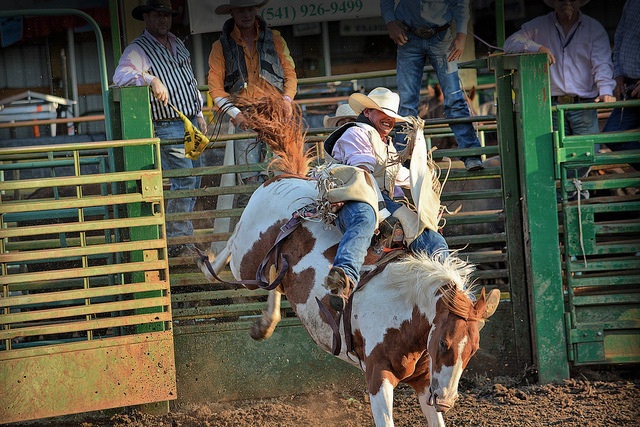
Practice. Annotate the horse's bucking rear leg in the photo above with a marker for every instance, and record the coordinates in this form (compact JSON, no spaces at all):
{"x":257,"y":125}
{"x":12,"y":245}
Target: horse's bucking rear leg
{"x":264,"y":327}
{"x":217,"y":263}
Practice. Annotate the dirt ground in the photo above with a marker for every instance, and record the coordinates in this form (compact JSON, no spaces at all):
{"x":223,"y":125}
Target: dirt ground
{"x":590,"y":398}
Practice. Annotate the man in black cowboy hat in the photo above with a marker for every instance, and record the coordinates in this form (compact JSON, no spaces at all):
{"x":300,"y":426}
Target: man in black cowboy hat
{"x":158,"y":59}
{"x":251,"y":60}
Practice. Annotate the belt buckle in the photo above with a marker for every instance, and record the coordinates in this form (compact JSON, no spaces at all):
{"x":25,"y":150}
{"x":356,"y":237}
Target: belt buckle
{"x":565,"y":99}
{"x":425,"y":32}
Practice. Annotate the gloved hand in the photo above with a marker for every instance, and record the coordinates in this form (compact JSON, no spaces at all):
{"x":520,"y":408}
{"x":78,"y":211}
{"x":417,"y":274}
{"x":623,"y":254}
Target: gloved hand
{"x":410,"y":223}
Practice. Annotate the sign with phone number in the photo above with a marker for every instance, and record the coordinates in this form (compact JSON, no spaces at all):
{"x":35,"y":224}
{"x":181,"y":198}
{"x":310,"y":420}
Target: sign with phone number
{"x":203,"y":19}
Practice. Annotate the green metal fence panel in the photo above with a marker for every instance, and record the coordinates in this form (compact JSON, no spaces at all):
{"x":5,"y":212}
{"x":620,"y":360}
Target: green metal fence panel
{"x":582,"y":263}
{"x":75,"y":301}
{"x":601,"y":243}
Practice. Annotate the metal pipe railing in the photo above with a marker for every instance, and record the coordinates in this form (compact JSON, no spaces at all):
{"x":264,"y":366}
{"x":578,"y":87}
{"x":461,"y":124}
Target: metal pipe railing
{"x":101,"y":51}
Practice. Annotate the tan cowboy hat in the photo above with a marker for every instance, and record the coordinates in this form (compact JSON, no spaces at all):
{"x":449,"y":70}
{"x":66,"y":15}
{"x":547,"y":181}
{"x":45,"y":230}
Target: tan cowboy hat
{"x":381,"y":99}
{"x":162,"y":6}
{"x":344,"y":111}
{"x":225,"y":9}
{"x":550,"y":3}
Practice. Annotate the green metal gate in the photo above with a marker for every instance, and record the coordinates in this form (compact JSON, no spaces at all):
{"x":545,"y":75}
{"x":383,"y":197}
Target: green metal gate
{"x":601,"y":244}
{"x":85,"y":320}
{"x":582,"y":263}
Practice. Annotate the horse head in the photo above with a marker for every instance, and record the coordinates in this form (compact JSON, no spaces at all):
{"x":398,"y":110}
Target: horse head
{"x":454,"y":339}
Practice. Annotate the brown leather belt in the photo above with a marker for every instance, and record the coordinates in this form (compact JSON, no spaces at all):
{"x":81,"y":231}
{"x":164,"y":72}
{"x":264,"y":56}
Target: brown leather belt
{"x":569,"y":99}
{"x":424,"y":32}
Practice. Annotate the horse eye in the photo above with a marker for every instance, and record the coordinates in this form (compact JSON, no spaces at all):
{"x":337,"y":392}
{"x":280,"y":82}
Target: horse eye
{"x":443,"y":345}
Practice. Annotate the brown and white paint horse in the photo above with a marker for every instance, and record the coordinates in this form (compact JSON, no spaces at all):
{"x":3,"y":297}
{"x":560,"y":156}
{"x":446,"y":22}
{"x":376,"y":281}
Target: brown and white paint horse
{"x":415,"y":321}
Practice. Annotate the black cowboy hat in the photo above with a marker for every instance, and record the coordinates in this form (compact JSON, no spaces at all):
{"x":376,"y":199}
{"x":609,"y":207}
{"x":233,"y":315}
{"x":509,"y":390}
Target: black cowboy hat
{"x":162,"y":6}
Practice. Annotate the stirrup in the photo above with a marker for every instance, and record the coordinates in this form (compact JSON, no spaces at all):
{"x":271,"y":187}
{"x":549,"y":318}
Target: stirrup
{"x":337,"y":302}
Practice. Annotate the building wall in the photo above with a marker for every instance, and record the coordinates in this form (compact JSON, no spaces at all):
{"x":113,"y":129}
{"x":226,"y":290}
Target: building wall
{"x":36,"y":64}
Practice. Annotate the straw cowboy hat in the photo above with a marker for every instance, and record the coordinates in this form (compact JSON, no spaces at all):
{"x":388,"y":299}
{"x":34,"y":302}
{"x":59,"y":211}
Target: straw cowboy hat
{"x":225,"y":9}
{"x":580,"y":3}
{"x":381,"y":99}
{"x":162,"y":6}
{"x":344,"y":111}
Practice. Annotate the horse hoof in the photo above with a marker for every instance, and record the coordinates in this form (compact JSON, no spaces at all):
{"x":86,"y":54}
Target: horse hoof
{"x":256,"y":332}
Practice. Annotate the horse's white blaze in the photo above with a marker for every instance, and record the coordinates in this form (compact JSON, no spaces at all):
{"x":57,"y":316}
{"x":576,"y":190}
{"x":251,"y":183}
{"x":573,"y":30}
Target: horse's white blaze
{"x":382,"y":405}
{"x":448,"y":377}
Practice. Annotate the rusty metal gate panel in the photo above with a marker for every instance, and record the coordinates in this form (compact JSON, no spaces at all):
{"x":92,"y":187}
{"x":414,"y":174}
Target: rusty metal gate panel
{"x":600,"y":229}
{"x":85,"y":320}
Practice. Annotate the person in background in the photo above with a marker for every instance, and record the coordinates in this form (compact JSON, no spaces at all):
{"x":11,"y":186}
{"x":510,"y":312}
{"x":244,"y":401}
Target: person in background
{"x":159,"y":59}
{"x":344,"y":114}
{"x":626,"y":68}
{"x":366,"y":144}
{"x":249,"y":59}
{"x":422,"y":29}
{"x":580,"y":57}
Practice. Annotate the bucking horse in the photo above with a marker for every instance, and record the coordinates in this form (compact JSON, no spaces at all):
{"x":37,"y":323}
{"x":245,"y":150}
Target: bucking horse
{"x":415,"y":319}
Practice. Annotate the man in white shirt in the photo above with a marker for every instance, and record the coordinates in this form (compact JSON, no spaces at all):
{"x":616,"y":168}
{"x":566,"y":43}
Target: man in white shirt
{"x":580,"y":57}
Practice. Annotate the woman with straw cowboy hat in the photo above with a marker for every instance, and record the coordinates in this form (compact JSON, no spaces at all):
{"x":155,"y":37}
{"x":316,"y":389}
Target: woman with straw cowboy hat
{"x":344,"y":114}
{"x":366,"y":144}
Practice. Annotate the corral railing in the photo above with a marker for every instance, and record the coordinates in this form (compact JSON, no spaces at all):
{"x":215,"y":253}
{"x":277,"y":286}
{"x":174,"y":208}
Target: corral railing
{"x":85,"y":302}
{"x":581,"y":272}
{"x":600,"y":229}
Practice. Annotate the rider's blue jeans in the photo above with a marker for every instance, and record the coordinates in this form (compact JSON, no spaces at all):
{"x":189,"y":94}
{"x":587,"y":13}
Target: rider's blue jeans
{"x":411,"y":60}
{"x":173,"y":157}
{"x":357,"y":221}
{"x":428,"y":241}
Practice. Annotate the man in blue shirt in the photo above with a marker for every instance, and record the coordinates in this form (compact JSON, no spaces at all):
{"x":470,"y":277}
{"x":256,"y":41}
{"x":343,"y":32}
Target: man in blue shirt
{"x":422,"y":29}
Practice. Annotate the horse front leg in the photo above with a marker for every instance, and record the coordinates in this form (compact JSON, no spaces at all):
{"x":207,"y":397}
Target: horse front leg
{"x":264,"y":327}
{"x":381,"y":397}
{"x":434,"y":418}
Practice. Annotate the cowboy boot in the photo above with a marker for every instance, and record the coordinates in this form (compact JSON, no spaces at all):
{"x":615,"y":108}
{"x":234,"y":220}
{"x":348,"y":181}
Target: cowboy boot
{"x":340,"y":286}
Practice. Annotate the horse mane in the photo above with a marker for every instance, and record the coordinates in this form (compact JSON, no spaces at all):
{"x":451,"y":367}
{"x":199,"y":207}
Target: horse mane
{"x":419,"y":278}
{"x":284,"y":133}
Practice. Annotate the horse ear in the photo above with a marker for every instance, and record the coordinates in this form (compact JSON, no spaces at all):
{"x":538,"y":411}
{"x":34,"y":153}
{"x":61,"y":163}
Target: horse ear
{"x":492,"y":303}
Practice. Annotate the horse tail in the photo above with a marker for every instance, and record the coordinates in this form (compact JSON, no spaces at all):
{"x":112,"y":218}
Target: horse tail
{"x":281,"y":128}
